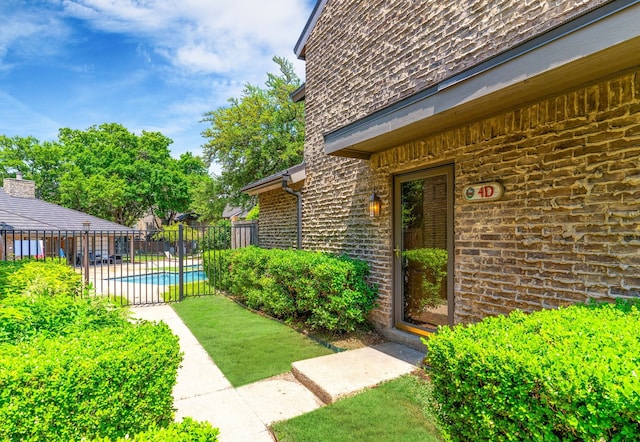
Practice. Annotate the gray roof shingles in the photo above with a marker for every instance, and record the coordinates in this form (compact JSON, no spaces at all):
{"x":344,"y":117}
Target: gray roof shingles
{"x":35,"y":214}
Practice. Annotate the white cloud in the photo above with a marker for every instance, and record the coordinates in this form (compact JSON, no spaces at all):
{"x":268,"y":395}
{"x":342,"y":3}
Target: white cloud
{"x":203,"y":36}
{"x":199,"y":58}
{"x":206,"y":50}
{"x":28,"y":33}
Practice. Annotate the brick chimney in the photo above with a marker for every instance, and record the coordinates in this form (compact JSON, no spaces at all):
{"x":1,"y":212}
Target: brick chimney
{"x":19,"y":187}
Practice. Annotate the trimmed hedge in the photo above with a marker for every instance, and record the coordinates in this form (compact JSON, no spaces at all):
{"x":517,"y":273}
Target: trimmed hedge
{"x":74,"y":368}
{"x":568,"y":374}
{"x":316,"y":289}
{"x":216,"y":266}
{"x":95,"y":383}
{"x":8,"y":268}
{"x":186,"y":431}
{"x":23,"y":317}
{"x":51,"y":277}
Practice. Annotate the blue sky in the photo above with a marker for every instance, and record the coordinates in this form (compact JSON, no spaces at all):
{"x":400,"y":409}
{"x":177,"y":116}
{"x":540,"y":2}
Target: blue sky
{"x":155,"y":65}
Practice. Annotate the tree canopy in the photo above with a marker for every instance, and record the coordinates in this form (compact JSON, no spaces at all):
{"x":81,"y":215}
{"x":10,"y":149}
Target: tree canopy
{"x":112,"y":173}
{"x":41,"y":162}
{"x":107,"y":171}
{"x":254,"y":136}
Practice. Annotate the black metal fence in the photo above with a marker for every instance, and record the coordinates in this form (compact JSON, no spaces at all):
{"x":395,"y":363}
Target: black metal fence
{"x":136,"y":267}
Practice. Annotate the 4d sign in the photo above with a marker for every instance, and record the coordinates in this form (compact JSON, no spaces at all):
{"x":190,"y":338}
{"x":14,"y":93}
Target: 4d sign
{"x":483,"y":192}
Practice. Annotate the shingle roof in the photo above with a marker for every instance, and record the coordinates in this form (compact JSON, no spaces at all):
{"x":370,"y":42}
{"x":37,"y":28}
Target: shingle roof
{"x":35,"y":214}
{"x":231,"y":211}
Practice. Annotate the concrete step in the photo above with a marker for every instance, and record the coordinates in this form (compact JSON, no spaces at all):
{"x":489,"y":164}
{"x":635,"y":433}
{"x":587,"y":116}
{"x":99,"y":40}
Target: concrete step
{"x":343,"y":374}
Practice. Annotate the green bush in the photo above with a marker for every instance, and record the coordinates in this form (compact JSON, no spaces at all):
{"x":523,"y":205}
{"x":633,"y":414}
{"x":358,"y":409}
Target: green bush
{"x":254,"y":213}
{"x":50,"y":277}
{"x":316,"y":289}
{"x":186,"y":431}
{"x":568,"y":374}
{"x":74,"y":367}
{"x":217,"y":237}
{"x":215,"y":264}
{"x":8,"y":268}
{"x":23,"y":317}
{"x":95,"y":383}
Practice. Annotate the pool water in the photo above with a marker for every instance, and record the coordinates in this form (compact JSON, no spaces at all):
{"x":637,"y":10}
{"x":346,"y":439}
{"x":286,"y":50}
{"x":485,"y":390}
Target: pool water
{"x":162,"y":278}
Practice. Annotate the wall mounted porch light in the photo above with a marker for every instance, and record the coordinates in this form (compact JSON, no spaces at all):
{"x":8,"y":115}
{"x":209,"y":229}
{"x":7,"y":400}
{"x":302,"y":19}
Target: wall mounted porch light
{"x":374,"y":206}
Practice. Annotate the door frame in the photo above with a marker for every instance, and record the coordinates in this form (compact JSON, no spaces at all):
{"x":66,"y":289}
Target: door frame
{"x":448,"y":170}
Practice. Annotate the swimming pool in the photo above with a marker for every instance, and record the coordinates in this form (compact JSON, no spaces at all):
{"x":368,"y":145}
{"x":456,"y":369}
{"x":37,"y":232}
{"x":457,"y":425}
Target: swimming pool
{"x":162,"y":278}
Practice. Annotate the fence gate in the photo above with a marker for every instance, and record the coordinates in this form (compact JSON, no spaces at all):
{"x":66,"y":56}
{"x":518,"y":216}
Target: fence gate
{"x":135,"y":267}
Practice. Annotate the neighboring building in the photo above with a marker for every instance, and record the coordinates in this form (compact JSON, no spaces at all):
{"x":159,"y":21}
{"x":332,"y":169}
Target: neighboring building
{"x":234,"y":213}
{"x":149,"y":222}
{"x":190,"y":219}
{"x":30,"y":227}
{"x":279,"y":221}
{"x":437,"y":107}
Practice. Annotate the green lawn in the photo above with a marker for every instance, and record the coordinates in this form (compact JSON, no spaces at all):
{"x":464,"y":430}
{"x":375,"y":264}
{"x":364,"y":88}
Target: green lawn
{"x":399,"y":410}
{"x":247,"y":347}
{"x":197,"y":288}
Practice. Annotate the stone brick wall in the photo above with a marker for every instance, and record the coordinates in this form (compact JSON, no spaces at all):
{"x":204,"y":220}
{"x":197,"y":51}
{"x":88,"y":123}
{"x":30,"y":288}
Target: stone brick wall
{"x":567,"y":228}
{"x":277,"y":224}
{"x":365,"y":54}
{"x":19,"y":188}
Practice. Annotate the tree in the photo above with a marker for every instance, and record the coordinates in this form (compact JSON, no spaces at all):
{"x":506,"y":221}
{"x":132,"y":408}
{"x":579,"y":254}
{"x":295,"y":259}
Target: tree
{"x":42,"y":163}
{"x":147,"y":178}
{"x":107,"y":171}
{"x":257,"y":135}
{"x":175,"y":186}
{"x":208,"y":199}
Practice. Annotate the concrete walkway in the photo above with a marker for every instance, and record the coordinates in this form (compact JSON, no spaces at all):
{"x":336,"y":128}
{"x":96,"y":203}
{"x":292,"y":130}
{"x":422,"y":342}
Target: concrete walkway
{"x":244,"y":414}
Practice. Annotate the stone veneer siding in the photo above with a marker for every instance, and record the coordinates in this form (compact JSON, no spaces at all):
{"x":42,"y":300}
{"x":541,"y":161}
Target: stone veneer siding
{"x":19,"y":188}
{"x":277,"y":224}
{"x":366,"y":54}
{"x":567,"y":228}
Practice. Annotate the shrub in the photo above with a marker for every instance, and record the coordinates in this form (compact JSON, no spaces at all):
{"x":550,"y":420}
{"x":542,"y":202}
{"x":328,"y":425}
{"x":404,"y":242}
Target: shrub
{"x":254,"y":213}
{"x":568,"y":374}
{"x":216,"y":266}
{"x":186,"y":431}
{"x":23,"y":317}
{"x":94,"y":383}
{"x":51,"y":277}
{"x":316,"y":289}
{"x":8,"y":268}
{"x":217,"y":237}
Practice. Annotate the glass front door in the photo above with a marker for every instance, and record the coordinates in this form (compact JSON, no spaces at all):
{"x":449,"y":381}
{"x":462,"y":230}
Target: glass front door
{"x":423,"y":237}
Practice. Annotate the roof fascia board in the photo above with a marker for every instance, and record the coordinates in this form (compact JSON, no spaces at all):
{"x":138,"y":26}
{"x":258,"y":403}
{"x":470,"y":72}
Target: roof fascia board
{"x":299,"y":94}
{"x":299,"y":48}
{"x":585,"y":36}
{"x":296,"y":173}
